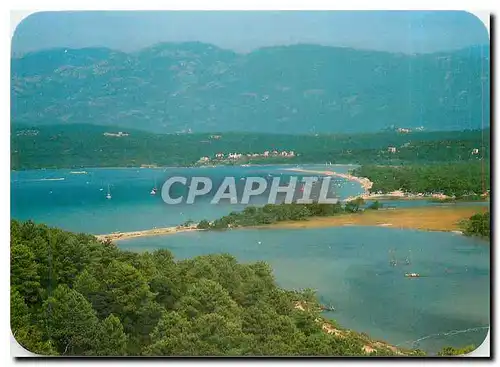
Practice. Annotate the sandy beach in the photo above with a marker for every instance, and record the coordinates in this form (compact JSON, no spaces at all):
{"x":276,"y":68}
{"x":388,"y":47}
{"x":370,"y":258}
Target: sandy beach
{"x":117,"y":236}
{"x":365,"y":183}
{"x":443,"y":219}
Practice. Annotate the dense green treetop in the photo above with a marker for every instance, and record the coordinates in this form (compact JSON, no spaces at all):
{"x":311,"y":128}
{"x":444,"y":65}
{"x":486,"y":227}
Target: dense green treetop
{"x":478,"y":225}
{"x":74,"y":295}
{"x":460,"y":179}
{"x":73,"y":146}
{"x":273,"y":213}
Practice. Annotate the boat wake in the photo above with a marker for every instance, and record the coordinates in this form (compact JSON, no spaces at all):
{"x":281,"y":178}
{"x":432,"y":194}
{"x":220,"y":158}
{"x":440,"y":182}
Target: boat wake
{"x":414,"y":343}
{"x":47,"y":179}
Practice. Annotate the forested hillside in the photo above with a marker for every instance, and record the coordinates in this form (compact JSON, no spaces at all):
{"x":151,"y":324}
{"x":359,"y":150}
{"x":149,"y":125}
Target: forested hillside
{"x":79,"y":145}
{"x":466,"y":179}
{"x":300,"y":89}
{"x":73,"y":295}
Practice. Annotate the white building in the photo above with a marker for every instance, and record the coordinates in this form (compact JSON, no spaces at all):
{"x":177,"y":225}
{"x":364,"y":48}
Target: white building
{"x":391,"y":149}
{"x":119,"y":134}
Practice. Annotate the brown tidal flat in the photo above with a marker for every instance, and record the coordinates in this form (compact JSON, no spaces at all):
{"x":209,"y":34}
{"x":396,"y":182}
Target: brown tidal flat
{"x":426,"y":218}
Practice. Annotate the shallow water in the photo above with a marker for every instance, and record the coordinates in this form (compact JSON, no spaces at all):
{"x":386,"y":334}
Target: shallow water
{"x":349,"y":267}
{"x":78,"y":204}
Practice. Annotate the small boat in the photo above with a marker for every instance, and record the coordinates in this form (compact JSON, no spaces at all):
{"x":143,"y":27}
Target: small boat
{"x":78,"y":172}
{"x":393,"y":261}
{"x":51,"y":179}
{"x":108,"y":195}
{"x":154,"y":190}
{"x":412,"y":275}
{"x":407,"y":260}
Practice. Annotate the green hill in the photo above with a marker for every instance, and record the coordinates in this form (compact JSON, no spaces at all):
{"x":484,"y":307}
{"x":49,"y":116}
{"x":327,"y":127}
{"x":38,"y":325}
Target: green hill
{"x":90,"y":298}
{"x":80,"y":145}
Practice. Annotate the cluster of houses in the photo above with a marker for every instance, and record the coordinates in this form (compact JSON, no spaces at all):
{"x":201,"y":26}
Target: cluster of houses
{"x":237,"y":156}
{"x":119,"y":134}
{"x":27,"y":133}
{"x":404,"y":130}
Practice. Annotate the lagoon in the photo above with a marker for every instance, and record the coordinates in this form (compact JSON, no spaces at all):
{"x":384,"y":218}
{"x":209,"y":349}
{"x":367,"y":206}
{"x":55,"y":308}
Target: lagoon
{"x":349,"y":266}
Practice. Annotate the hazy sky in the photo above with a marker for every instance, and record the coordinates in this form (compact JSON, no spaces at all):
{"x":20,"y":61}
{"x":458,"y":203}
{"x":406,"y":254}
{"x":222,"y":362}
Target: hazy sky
{"x":408,"y":32}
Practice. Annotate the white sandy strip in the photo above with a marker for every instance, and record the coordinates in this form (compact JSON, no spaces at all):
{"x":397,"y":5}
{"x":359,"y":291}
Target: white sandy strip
{"x":117,"y":236}
{"x":365,"y":183}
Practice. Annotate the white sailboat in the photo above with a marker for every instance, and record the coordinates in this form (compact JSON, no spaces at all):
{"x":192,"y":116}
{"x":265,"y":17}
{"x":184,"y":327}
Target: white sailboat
{"x":154,"y":190}
{"x":108,"y":195}
{"x":408,"y":259}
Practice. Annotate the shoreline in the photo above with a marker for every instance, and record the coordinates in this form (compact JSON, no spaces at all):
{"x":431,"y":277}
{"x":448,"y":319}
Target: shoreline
{"x":194,"y":166}
{"x":365,"y":183}
{"x":429,"y":218}
{"x":118,"y":236}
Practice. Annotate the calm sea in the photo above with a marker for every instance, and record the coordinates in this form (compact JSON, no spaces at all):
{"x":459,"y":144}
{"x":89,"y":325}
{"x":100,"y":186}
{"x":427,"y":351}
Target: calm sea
{"x":349,"y":266}
{"x":78,"y":201}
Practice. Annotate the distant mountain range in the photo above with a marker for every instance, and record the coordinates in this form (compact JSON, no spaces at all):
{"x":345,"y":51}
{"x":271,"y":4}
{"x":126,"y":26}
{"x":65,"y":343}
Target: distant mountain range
{"x":197,"y":87}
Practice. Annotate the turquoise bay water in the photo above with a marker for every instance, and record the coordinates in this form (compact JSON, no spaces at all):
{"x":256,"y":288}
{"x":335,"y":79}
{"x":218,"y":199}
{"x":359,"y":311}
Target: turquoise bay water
{"x":78,"y":204}
{"x":349,"y":266}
